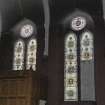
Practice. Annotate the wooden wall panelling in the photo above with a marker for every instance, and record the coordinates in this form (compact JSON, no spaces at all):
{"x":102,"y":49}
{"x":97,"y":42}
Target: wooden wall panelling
{"x":19,"y":88}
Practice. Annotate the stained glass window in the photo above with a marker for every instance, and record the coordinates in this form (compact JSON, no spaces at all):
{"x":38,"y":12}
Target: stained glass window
{"x":27,"y":30}
{"x":78,"y":23}
{"x":31,"y":54}
{"x":70,"y":68}
{"x":87,"y":46}
{"x":87,"y":67}
{"x":18,"y":62}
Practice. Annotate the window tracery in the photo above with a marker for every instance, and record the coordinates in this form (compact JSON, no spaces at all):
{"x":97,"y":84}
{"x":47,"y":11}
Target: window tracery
{"x":78,"y":23}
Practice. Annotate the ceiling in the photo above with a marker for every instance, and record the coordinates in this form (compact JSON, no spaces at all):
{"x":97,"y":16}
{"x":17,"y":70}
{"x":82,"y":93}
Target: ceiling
{"x":12,"y":10}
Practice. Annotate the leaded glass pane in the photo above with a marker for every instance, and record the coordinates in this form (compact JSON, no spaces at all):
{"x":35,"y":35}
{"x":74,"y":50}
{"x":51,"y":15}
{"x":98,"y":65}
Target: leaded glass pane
{"x":70,"y":68}
{"x":18,"y":62}
{"x":31,"y":54}
{"x":87,"y":67}
{"x":87,"y":46}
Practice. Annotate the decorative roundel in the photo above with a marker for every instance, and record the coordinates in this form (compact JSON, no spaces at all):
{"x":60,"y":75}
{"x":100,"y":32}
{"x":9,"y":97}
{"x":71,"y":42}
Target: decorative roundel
{"x":27,"y":30}
{"x":78,"y":23}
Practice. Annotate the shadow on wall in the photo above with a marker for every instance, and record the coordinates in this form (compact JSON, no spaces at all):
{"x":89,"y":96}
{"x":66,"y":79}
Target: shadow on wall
{"x":12,"y":11}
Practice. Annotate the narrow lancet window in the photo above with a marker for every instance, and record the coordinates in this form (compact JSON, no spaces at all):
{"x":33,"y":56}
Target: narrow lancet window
{"x":70,"y":68}
{"x":87,"y":67}
{"x":18,"y":62}
{"x":31,"y":54}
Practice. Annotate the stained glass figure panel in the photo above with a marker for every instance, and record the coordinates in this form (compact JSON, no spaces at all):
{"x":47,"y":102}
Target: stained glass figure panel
{"x":18,"y":62}
{"x":87,"y":46}
{"x":70,"y":68}
{"x":31,"y":54}
{"x":87,"y":67}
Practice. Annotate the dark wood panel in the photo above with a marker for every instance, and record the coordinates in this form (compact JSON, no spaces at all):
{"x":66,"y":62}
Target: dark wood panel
{"x":20,"y":88}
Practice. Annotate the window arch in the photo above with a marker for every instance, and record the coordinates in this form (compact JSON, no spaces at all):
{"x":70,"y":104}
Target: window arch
{"x":18,"y":62}
{"x":31,"y":54}
{"x":70,"y":68}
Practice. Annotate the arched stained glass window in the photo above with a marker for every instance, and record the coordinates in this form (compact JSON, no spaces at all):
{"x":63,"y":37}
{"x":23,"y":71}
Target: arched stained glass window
{"x":31,"y":54}
{"x":18,"y":62}
{"x":70,"y":68}
{"x":87,"y":67}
